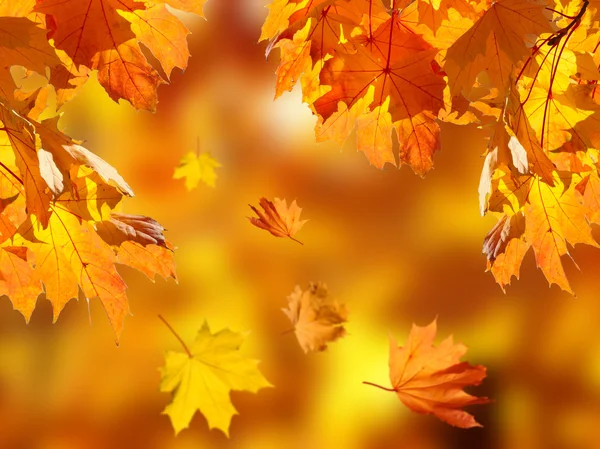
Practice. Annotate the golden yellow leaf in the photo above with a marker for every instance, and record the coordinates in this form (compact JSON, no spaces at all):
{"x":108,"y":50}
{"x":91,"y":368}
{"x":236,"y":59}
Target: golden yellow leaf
{"x":201,"y":378}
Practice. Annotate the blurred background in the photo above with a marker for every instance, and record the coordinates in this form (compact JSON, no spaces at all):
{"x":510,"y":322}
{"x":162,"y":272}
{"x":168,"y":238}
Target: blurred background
{"x":396,"y":248}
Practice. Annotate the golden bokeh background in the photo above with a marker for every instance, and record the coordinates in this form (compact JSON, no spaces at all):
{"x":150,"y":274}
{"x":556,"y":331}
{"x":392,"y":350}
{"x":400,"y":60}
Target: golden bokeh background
{"x":396,"y":248}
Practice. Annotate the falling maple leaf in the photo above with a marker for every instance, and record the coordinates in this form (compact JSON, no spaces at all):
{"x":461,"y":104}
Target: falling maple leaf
{"x":196,"y":167}
{"x":277,"y":218}
{"x":430,"y":379}
{"x":317,"y":317}
{"x":201,"y":377}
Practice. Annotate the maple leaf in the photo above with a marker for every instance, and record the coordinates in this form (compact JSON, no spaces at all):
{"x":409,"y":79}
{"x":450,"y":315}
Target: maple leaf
{"x":18,"y":278}
{"x":555,"y":216}
{"x":71,"y":254}
{"x":22,"y":43}
{"x":407,"y":96}
{"x":498,"y":41}
{"x":361,"y":68}
{"x":313,"y":32}
{"x":195,"y":168}
{"x":505,"y":247}
{"x":202,"y":377}
{"x":277,"y":218}
{"x":105,"y":35}
{"x":317,"y":317}
{"x":430,"y":379}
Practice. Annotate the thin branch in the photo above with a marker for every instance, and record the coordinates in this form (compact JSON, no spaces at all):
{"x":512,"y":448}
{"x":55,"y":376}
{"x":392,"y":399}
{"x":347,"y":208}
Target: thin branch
{"x":560,"y":13}
{"x":187,"y":350}
{"x":576,"y":20}
{"x":12,"y":173}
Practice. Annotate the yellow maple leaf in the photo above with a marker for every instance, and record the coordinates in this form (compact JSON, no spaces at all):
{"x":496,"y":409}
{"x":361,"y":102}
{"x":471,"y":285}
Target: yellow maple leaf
{"x":202,"y":377}
{"x":195,"y":168}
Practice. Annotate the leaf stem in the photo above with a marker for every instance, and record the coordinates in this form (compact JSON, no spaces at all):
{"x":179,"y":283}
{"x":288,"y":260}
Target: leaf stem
{"x":379,"y":386}
{"x":295,"y":240}
{"x":187,"y":350}
{"x":289,"y":331}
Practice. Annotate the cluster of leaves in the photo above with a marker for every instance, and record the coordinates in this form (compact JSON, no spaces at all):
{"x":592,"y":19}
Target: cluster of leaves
{"x":524,"y":70}
{"x":60,"y":230}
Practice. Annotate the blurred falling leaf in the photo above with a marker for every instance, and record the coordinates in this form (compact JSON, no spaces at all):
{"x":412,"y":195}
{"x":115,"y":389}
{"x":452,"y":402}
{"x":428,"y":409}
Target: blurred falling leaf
{"x":195,"y":168}
{"x":316,"y":316}
{"x":202,"y":377}
{"x":277,"y":218}
{"x":430,"y":379}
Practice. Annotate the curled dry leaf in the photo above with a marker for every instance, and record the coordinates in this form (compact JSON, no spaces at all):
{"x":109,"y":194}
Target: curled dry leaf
{"x":317,"y":317}
{"x":430,"y":379}
{"x":136,"y":228}
{"x":277,"y":218}
{"x":202,"y":377}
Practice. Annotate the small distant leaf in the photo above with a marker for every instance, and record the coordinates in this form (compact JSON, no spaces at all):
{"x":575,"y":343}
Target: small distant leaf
{"x":202,"y":377}
{"x":317,"y":317}
{"x":195,"y":168}
{"x":277,"y":218}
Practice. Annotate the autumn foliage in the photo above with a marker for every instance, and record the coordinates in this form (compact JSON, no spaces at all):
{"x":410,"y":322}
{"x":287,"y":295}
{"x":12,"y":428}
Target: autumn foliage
{"x":394,"y":73}
{"x":524,"y":71}
{"x":61,"y":230}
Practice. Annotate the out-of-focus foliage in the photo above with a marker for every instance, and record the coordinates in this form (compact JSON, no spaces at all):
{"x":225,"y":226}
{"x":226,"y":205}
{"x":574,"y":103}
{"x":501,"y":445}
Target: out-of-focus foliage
{"x":317,"y":317}
{"x":194,"y":168}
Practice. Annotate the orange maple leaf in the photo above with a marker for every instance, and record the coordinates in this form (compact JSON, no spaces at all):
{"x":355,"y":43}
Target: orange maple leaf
{"x":430,"y":379}
{"x":277,"y":218}
{"x":361,"y":67}
{"x":498,"y":41}
{"x":105,"y":35}
{"x":317,"y":317}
